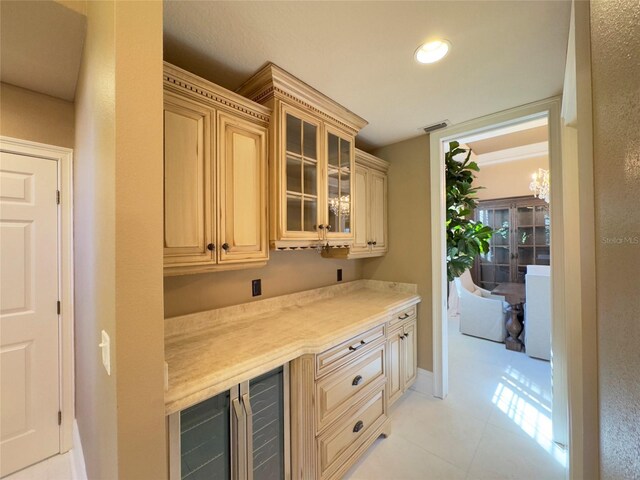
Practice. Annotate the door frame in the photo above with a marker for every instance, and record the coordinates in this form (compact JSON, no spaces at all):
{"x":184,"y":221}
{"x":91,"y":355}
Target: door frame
{"x":64,"y":160}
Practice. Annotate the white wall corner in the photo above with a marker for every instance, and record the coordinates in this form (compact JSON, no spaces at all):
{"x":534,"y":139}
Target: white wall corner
{"x":424,"y":382}
{"x":78,"y":469}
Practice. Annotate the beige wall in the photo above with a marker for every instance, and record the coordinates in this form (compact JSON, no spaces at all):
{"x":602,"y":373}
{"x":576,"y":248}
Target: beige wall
{"x":286,"y":272}
{"x":510,"y":179}
{"x":615,"y":42}
{"x":36,"y":117}
{"x":409,"y":257}
{"x":118,"y":247}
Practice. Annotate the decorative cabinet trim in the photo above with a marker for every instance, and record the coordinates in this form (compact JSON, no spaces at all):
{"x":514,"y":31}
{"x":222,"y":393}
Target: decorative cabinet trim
{"x":274,"y":82}
{"x":185,"y":82}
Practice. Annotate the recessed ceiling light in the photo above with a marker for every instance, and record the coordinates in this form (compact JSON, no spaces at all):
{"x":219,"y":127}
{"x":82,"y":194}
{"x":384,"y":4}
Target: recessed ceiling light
{"x":431,"y":52}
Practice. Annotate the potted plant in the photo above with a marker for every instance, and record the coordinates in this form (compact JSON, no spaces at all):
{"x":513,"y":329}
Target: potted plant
{"x":466,"y":238}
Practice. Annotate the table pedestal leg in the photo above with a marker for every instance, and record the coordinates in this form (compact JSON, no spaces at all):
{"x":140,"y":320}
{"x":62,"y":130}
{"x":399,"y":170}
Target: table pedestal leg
{"x":514,"y":329}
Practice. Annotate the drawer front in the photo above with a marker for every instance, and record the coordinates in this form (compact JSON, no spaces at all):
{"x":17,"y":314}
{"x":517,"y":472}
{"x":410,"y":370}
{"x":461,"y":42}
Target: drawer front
{"x":403,"y":315}
{"x":340,"y":390}
{"x":335,"y":357}
{"x":338,"y":443}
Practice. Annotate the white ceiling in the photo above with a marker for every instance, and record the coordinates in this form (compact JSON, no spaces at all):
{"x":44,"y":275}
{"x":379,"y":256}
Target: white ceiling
{"x":41,"y":46}
{"x":360,"y":53}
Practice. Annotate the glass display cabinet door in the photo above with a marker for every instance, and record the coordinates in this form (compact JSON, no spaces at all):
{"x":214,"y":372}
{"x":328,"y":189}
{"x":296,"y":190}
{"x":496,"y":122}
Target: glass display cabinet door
{"x":533,"y":238}
{"x":495,"y":265}
{"x":205,"y":440}
{"x":301,"y":173}
{"x":339,"y":171}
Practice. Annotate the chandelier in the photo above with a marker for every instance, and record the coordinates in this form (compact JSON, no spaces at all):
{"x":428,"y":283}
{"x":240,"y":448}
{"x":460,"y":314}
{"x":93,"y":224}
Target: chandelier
{"x":340,"y":206}
{"x":540,"y":184}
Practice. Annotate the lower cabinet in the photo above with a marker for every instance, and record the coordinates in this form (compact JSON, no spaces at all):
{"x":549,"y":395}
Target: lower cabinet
{"x":240,"y":434}
{"x":401,"y":357}
{"x":338,"y":405}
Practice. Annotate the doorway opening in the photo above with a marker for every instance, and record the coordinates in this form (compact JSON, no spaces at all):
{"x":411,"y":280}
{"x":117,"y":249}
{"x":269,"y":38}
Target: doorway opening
{"x":513,"y":392}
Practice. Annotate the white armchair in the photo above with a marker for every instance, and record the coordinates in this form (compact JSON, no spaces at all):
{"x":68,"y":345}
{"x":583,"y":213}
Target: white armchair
{"x":537,"y":312}
{"x":481,"y":313}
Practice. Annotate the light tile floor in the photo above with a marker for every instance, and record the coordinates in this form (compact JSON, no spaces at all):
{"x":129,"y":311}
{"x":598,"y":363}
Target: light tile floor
{"x":495,"y":423}
{"x":57,"y":467}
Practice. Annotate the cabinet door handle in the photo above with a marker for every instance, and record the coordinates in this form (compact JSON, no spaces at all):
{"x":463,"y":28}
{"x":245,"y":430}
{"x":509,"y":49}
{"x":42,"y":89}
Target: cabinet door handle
{"x":358,"y":426}
{"x":406,"y":335}
{"x":211,"y":247}
{"x":374,"y":243}
{"x":362,"y":344}
{"x":236,"y":408}
{"x":247,"y":404}
{"x":403,"y":317}
{"x":401,"y":337}
{"x":225,"y":246}
{"x":369,"y":243}
{"x":356,"y":380}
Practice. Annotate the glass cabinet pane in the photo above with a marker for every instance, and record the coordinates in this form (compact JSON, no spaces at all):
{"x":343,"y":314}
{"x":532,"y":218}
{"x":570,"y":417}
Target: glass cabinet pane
{"x":294,"y":213}
{"x":294,"y":175}
{"x":339,"y":184}
{"x":310,"y":141}
{"x":525,"y":236}
{"x":525,"y":216}
{"x":267,"y":401}
{"x":205,"y":440}
{"x":301,"y":174}
{"x":294,"y":135}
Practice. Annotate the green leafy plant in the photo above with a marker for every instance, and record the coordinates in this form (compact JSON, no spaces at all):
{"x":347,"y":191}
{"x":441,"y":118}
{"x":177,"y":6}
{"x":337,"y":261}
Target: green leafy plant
{"x":466,"y":238}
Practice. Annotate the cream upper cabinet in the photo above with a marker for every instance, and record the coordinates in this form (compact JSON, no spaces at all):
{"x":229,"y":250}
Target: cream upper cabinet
{"x":187,"y":182}
{"x":311,"y":161}
{"x":215,"y":177}
{"x":242,"y":194}
{"x":369,"y":220}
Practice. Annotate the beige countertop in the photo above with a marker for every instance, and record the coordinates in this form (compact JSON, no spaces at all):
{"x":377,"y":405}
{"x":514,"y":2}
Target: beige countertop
{"x":209,"y":352}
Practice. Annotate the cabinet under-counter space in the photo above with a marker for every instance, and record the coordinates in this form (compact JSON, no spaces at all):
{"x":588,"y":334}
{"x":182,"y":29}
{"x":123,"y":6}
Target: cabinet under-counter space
{"x":324,"y":351}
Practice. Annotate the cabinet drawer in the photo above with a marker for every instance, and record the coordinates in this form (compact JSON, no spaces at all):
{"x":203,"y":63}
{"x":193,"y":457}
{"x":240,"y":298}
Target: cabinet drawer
{"x":339,"y":390}
{"x":338,"y":443}
{"x":345,"y":352}
{"x":403,"y":315}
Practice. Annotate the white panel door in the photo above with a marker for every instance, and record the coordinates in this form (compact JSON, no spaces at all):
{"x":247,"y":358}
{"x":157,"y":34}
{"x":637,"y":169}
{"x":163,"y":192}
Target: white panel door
{"x":29,"y":385}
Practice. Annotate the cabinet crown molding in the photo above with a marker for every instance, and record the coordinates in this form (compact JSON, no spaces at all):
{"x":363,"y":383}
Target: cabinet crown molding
{"x":186,"y":83}
{"x":364,"y":158}
{"x":273,"y":81}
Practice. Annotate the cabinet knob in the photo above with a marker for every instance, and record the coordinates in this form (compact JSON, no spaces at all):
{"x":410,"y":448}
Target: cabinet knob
{"x":356,"y":380}
{"x":374,"y":243}
{"x":358,"y":426}
{"x":406,"y":335}
{"x":369,"y":243}
{"x":211,"y":247}
{"x":225,"y":246}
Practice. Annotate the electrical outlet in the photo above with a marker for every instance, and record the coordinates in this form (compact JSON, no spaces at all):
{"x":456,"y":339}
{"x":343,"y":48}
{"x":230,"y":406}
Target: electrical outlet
{"x":105,"y":345}
{"x":339,"y":274}
{"x":256,"y":287}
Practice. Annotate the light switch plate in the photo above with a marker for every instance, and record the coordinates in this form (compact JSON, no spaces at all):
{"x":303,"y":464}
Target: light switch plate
{"x":105,"y":345}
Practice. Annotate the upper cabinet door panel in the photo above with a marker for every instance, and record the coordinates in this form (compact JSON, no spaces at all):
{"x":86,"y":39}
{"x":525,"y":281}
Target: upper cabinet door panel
{"x":378,"y":211}
{"x":339,"y":206}
{"x":301,"y":174}
{"x":361,"y":210}
{"x":242,"y":148}
{"x":187,"y":182}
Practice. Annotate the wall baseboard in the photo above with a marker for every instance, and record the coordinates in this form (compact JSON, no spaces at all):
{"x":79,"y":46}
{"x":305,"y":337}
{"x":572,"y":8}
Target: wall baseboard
{"x":78,"y":468}
{"x":424,"y":382}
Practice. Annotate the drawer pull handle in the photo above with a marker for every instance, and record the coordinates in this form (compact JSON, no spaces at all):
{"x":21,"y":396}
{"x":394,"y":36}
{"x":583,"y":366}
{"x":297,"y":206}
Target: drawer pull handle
{"x":356,"y":380}
{"x":406,"y":335}
{"x":403,"y":317}
{"x":362,"y":344}
{"x":358,"y":426}
{"x":401,"y":337}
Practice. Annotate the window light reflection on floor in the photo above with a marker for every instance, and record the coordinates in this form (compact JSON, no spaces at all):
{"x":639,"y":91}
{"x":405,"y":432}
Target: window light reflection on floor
{"x":528,"y":407}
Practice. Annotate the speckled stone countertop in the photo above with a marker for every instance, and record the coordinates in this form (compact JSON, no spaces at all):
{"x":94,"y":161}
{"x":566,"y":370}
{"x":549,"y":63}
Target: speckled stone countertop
{"x":209,"y":352}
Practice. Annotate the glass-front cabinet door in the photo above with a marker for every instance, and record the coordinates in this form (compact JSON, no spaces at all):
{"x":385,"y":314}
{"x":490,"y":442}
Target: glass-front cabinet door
{"x":495,"y":265}
{"x":301,"y":174}
{"x":339,"y":205}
